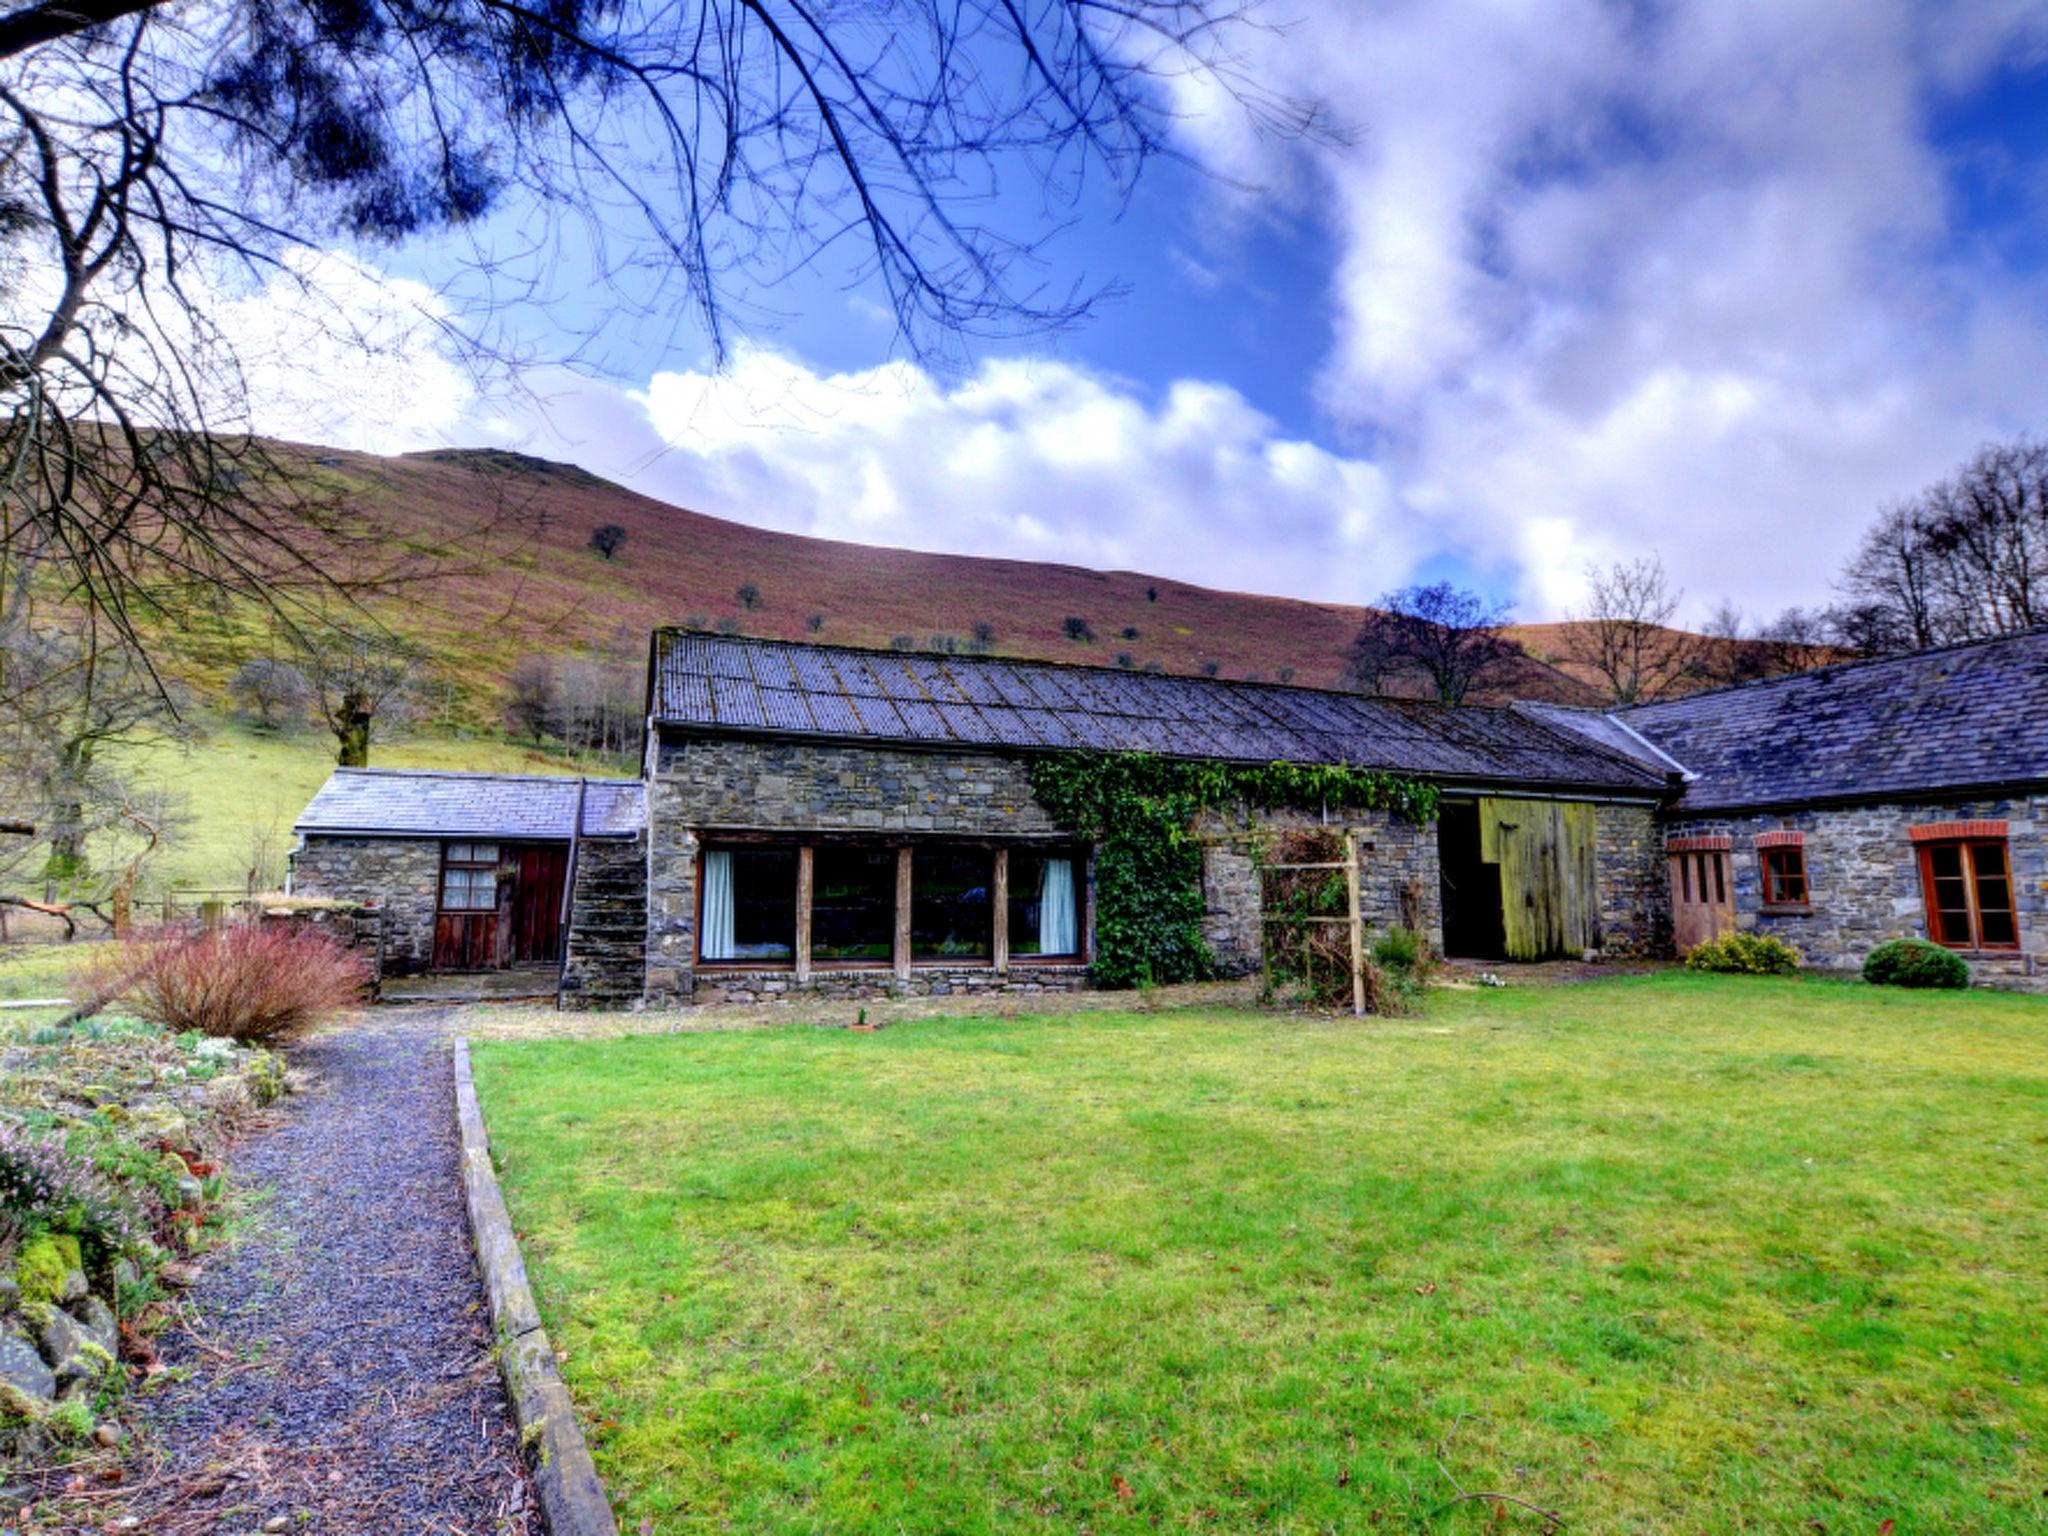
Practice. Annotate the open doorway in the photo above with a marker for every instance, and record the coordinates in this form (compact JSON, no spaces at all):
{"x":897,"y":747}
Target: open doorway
{"x":1473,"y":929}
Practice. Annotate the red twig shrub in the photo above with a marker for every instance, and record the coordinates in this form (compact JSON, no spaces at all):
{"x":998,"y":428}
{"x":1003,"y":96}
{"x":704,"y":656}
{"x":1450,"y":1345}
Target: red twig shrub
{"x":241,"y":981}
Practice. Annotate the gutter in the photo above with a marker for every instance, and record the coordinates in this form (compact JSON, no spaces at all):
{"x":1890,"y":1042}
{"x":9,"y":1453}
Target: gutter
{"x":569,"y":887}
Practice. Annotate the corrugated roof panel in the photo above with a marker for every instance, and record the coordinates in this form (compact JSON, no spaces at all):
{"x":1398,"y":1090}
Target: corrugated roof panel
{"x":916,"y":697}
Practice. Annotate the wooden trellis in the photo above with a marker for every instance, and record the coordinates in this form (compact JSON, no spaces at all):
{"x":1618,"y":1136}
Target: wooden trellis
{"x":1352,"y":918}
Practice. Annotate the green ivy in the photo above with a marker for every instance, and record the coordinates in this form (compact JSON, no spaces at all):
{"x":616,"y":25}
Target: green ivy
{"x":1140,"y":811}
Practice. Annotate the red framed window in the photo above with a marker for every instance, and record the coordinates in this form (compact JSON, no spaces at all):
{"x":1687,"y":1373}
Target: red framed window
{"x":1784,"y":875}
{"x":1967,"y":883}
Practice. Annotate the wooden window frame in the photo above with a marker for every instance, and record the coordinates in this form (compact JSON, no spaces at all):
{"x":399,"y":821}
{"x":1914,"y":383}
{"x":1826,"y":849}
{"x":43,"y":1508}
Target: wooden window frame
{"x":1974,"y":944}
{"x":997,"y":958}
{"x":1769,"y":879}
{"x":495,"y":864}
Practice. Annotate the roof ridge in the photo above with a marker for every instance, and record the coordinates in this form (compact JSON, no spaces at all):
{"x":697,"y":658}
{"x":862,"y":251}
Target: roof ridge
{"x":481,"y":773}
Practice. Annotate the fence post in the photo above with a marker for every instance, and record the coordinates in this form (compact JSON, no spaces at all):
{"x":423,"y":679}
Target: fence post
{"x":1357,"y":924}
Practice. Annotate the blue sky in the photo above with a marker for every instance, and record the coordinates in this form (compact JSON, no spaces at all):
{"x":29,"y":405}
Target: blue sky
{"x":1590,"y":280}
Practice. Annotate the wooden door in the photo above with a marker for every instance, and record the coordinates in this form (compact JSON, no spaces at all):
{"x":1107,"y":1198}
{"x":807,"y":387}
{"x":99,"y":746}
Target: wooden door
{"x":537,"y":873}
{"x":1549,"y":895}
{"x":1702,"y":897}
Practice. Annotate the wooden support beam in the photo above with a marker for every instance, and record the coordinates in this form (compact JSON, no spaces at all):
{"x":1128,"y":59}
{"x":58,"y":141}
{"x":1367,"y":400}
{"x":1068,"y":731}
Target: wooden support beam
{"x":999,"y":889}
{"x":902,"y":946}
{"x":806,"y":882}
{"x":1357,"y":925}
{"x":18,"y":828}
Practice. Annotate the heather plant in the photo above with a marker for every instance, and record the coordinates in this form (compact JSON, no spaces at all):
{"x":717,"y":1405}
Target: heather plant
{"x":47,"y":1189}
{"x":251,"y":982}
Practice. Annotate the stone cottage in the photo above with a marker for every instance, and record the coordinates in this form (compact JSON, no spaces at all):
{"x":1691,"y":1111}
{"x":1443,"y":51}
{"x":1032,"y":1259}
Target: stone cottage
{"x":1905,"y":796}
{"x":863,"y":822}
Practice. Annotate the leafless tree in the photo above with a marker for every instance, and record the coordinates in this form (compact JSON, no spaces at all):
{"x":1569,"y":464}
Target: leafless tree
{"x":1624,"y":636}
{"x":1965,"y":559}
{"x":363,"y":682}
{"x":533,"y":698}
{"x":273,"y":691}
{"x":608,"y":539}
{"x":1446,"y":637}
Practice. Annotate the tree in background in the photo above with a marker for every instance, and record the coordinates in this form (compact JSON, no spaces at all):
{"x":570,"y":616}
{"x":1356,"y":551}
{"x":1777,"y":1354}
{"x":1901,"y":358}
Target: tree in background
{"x":1447,"y":638}
{"x":1624,"y":635}
{"x":533,"y":698}
{"x":272,"y":691}
{"x":1965,"y":559}
{"x":362,"y":683}
{"x":608,"y":539}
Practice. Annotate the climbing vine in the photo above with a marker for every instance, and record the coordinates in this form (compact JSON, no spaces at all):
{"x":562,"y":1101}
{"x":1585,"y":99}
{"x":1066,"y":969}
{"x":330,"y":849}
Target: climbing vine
{"x":1141,"y":810}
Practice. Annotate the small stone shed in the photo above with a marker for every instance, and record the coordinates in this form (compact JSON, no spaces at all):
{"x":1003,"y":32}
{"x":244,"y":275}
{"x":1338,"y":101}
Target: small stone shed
{"x":1901,"y":797}
{"x":479,"y":871}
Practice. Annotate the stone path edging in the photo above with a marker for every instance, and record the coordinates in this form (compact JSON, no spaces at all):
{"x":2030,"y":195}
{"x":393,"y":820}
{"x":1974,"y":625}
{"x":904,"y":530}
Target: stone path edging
{"x":572,"y":1500}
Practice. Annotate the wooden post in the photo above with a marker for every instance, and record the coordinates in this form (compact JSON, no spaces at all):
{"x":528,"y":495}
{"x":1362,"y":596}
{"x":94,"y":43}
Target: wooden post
{"x":999,"y":948}
{"x":805,"y":884}
{"x":902,"y":945}
{"x":1357,"y":924}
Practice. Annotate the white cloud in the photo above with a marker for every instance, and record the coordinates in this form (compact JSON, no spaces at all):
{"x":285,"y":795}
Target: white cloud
{"x":1687,"y":277}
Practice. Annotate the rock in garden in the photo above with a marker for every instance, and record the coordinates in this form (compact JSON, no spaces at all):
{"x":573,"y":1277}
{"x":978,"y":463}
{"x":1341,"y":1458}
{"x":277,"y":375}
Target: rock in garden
{"x":191,"y":1193}
{"x":10,"y":1293}
{"x":97,"y":1319}
{"x":22,"y":1369}
{"x":70,"y":1350}
{"x":75,"y":1288}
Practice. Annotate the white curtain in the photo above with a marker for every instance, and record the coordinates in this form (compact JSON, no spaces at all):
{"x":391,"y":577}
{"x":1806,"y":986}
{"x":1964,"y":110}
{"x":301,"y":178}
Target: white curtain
{"x":718,"y":936}
{"x":1058,"y":930}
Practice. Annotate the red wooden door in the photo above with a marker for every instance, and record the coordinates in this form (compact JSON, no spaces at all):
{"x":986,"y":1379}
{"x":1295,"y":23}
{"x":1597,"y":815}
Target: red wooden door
{"x":1702,"y":901}
{"x":537,"y":873}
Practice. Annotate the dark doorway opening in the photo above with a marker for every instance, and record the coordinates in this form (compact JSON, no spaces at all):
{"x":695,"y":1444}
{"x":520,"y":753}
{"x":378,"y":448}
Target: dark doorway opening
{"x":1471,"y":887}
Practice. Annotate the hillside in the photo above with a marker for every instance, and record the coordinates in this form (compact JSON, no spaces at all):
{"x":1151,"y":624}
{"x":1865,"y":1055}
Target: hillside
{"x":535,"y":585}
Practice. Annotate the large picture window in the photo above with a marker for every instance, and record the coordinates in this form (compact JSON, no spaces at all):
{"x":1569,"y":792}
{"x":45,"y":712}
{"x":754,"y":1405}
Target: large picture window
{"x":1045,"y":914}
{"x":750,"y":905}
{"x":469,"y":877}
{"x":853,"y":904}
{"x":951,"y":917}
{"x":1968,"y":887}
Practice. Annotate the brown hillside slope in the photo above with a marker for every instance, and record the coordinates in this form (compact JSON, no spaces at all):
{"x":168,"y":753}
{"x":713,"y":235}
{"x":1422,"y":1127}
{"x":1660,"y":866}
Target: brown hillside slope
{"x":538,"y":587}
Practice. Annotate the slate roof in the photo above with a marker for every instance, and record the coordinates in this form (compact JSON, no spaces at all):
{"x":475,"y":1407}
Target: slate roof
{"x":1954,"y":718}
{"x":420,"y":802}
{"x":771,"y":687}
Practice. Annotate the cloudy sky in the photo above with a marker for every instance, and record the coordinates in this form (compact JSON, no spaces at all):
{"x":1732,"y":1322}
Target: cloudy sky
{"x":1586,"y":280}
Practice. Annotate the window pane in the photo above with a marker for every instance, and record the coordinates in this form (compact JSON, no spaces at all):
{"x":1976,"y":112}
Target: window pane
{"x":1720,"y":880}
{"x":1994,"y":895}
{"x":1949,"y":900}
{"x":763,"y":903}
{"x":949,"y":904}
{"x":853,"y":904}
{"x":483,"y":853}
{"x":1044,"y":904}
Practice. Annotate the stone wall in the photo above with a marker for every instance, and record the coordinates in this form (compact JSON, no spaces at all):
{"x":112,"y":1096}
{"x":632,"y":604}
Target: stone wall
{"x":352,"y":925}
{"x":1399,"y":882}
{"x":1634,"y":881}
{"x":606,"y":964}
{"x":399,"y":876}
{"x":767,"y":986}
{"x":1863,"y":878}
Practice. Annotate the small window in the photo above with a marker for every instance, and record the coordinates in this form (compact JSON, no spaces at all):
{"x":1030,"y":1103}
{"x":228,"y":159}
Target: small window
{"x":1045,"y":914}
{"x":749,"y":905}
{"x":469,"y":877}
{"x":1968,"y":888}
{"x":853,"y":904}
{"x":951,"y":917}
{"x":1784,"y":872}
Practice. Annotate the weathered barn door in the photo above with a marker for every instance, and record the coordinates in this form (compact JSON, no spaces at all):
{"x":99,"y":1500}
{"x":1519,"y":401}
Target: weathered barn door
{"x":1548,"y":875}
{"x":501,"y":905}
{"x":1702,"y":896}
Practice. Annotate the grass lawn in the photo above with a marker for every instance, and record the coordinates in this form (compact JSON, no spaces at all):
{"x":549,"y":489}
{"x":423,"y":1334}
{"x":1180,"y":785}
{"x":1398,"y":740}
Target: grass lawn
{"x":1669,"y":1254}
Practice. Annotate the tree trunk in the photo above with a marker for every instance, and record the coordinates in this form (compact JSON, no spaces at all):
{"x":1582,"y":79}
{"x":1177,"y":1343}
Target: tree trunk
{"x":353,"y":732}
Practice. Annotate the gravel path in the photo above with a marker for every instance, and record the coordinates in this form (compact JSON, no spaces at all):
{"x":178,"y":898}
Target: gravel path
{"x":341,"y":1376}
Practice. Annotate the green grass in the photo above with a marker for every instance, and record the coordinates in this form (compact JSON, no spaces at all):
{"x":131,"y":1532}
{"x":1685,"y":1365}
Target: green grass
{"x":41,"y":970}
{"x":1674,"y":1254}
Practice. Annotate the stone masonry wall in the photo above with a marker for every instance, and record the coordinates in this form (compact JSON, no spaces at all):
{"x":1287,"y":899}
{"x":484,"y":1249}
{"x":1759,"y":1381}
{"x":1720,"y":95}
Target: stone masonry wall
{"x":606,"y":961}
{"x":1398,"y":875}
{"x":1863,"y":878}
{"x":399,"y":876}
{"x":862,"y":985}
{"x":1634,"y":881}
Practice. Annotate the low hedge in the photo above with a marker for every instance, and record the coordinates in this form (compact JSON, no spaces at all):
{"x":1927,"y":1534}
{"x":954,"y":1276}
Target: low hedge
{"x":1915,"y":963}
{"x":1744,"y":954}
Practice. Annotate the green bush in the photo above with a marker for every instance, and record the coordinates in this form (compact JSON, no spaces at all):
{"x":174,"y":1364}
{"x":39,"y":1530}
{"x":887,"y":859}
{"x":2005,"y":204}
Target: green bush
{"x":1744,"y":954}
{"x":1914,"y":963}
